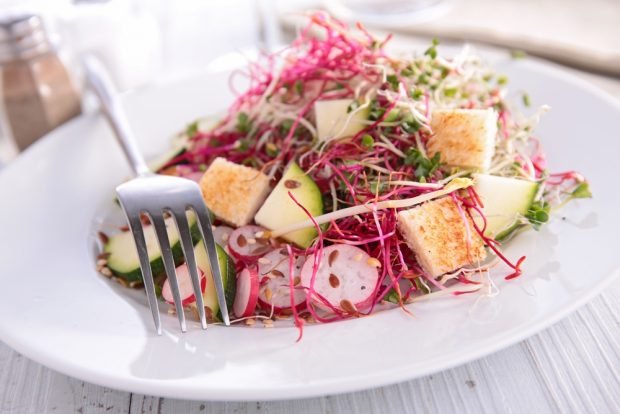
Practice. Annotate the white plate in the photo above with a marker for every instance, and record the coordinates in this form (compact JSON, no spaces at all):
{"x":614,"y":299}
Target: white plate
{"x":56,"y":310}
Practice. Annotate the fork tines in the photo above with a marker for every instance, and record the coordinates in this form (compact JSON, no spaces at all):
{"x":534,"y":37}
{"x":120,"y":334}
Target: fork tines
{"x":157,"y":196}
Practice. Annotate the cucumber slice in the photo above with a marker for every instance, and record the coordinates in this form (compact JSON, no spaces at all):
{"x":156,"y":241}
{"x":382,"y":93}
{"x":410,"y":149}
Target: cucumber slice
{"x":332,"y":116}
{"x":124,"y":262}
{"x":159,"y":162}
{"x":280,"y":210}
{"x":229,"y":277}
{"x":505,"y":200}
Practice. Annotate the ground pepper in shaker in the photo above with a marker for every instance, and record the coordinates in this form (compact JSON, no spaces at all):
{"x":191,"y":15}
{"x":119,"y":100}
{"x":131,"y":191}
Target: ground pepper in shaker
{"x":38,"y":93}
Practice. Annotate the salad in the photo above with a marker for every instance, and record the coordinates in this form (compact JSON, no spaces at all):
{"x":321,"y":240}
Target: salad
{"x":346,"y":179}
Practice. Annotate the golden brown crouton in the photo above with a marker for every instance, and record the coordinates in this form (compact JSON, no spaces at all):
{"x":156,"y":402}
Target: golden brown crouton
{"x":233,"y":192}
{"x":464,"y":137}
{"x":438,"y":235}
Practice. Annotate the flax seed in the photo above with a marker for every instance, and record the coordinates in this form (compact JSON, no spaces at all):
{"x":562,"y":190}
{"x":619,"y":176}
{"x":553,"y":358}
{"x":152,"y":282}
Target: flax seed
{"x":348,"y":307}
{"x":103,"y":238}
{"x":277,"y":273}
{"x":250,"y":322}
{"x":333,"y":280}
{"x":268,"y":294}
{"x":103,"y":256}
{"x":241,"y":240}
{"x":292,"y":184}
{"x":332,"y":257}
{"x":373,"y":262}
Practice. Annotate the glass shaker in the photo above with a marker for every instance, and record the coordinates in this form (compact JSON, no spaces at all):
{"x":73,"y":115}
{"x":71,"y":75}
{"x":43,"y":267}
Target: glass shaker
{"x":37,"y":91}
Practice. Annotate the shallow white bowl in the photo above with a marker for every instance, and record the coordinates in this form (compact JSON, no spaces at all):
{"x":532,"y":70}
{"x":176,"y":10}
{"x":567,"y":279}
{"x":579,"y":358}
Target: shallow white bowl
{"x":58,"y":311}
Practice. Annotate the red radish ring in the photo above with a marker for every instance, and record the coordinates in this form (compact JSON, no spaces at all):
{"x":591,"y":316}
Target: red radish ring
{"x":245,"y":245}
{"x":186,"y":289}
{"x":247,"y":293}
{"x":274,"y":291}
{"x":347,"y":278}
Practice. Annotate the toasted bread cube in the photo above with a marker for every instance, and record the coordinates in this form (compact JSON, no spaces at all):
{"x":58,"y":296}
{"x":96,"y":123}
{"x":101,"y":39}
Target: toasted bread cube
{"x":464,"y":137}
{"x":233,"y":192}
{"x":438,"y":235}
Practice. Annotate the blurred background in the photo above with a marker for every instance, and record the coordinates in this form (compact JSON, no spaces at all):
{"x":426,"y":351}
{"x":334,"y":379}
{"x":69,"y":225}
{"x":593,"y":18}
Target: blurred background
{"x":143,"y":42}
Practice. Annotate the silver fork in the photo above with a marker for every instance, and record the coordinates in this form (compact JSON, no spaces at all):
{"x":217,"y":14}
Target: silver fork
{"x":156,"y":195}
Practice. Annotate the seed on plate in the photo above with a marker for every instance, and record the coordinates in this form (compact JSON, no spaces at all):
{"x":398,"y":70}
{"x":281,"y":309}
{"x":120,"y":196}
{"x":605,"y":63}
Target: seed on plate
{"x":251,"y":241}
{"x":309,"y":318}
{"x":102,"y":262}
{"x":333,"y":280}
{"x":120,"y":281}
{"x":358,"y":257}
{"x":264,"y":260}
{"x":268,"y":294}
{"x":268,"y":323}
{"x":296,"y":281}
{"x":103,"y":238}
{"x":106,"y":271}
{"x":241,"y":240}
{"x":250,"y":322}
{"x":332,"y":257}
{"x":292,"y":184}
{"x":277,"y":273}
{"x":283,"y":317}
{"x":347,"y":306}
{"x":373,"y":262}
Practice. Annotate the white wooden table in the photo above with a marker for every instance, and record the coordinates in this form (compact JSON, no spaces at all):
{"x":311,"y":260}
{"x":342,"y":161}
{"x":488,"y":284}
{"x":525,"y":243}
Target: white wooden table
{"x":574,"y":366}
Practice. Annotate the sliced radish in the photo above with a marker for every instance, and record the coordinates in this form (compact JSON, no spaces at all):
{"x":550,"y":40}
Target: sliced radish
{"x":347,"y":277}
{"x":194,"y":175}
{"x":273,"y":270}
{"x":245,"y":245}
{"x":221,"y":234}
{"x":186,"y":288}
{"x":247,"y":292}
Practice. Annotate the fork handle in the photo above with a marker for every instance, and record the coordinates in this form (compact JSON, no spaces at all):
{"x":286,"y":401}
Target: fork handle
{"x":99,"y":81}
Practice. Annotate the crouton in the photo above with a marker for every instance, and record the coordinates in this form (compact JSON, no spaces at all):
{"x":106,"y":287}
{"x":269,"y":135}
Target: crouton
{"x":464,"y":137}
{"x":233,"y":192}
{"x":438,"y":235}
